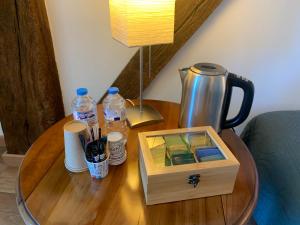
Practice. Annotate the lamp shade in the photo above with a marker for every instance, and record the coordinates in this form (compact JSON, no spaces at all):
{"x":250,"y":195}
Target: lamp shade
{"x":142,"y":22}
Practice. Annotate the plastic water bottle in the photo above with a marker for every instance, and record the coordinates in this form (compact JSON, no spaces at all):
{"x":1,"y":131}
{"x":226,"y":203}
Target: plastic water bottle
{"x":115,"y":113}
{"x":84,"y":108}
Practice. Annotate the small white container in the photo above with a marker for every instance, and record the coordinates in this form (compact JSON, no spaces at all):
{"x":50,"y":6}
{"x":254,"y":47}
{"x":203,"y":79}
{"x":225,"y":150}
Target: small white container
{"x":74,"y":154}
{"x":116,"y":147}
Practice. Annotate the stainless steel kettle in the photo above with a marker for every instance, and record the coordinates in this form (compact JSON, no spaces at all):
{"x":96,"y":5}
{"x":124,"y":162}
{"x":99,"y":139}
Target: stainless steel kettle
{"x":206,"y":96}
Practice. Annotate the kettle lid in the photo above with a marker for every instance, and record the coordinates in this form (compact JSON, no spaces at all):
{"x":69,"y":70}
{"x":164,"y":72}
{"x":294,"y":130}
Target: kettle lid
{"x":209,"y":69}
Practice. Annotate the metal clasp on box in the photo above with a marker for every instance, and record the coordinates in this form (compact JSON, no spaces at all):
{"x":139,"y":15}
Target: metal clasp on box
{"x":194,"y":179}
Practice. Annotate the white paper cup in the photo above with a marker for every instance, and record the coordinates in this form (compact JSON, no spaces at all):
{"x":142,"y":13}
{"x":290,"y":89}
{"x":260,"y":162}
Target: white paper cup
{"x":74,"y":153}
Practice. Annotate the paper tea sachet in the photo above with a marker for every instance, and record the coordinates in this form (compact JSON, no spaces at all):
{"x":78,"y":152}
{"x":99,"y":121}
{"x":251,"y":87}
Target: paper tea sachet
{"x":158,"y":150}
{"x":182,"y":159}
{"x":209,"y":154}
{"x":199,"y":140}
{"x":155,"y":141}
{"x":159,"y":155}
{"x":175,"y":145}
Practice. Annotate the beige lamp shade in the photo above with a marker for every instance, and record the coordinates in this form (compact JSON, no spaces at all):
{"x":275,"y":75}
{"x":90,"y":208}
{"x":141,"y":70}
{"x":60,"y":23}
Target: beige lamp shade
{"x":142,"y":22}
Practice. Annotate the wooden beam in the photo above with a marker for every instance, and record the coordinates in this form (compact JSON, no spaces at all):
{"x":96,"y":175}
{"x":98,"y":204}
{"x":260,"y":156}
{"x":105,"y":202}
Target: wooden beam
{"x":189,"y":16}
{"x":30,"y":93}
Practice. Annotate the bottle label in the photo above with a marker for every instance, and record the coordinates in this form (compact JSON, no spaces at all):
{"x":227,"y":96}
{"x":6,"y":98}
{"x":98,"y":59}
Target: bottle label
{"x":90,"y":117}
{"x":111,"y":115}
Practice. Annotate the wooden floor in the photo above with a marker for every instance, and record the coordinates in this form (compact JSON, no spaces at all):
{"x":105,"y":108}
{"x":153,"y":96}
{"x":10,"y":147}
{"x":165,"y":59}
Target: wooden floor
{"x":9,"y":214}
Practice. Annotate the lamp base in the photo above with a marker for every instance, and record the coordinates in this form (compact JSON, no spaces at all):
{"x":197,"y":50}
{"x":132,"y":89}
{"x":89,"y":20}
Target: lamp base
{"x":136,"y":118}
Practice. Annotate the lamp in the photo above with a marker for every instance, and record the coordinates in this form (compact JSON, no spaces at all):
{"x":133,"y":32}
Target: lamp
{"x":141,"y":23}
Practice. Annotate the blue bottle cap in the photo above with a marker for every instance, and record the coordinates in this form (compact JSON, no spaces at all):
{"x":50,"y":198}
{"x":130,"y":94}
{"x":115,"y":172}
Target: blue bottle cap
{"x":82,"y":91}
{"x":113,"y":90}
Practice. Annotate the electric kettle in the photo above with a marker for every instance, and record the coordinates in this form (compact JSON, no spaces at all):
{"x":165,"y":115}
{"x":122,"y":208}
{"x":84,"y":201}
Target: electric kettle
{"x":206,"y":96}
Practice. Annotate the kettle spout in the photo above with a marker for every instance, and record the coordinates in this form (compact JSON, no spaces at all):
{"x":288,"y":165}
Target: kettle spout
{"x":183,"y":72}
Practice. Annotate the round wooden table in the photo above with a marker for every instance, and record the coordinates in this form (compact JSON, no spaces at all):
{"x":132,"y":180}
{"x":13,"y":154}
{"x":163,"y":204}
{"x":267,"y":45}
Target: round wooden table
{"x":49,"y":194}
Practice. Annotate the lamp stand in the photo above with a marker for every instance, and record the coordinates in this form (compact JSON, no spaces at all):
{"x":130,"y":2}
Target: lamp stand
{"x":140,"y":115}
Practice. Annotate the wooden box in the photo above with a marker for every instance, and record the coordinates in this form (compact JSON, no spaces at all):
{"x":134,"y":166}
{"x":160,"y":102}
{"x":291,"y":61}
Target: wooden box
{"x":170,"y":183}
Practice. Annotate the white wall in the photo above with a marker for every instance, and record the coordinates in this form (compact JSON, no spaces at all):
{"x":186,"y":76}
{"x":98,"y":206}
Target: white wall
{"x":254,"y":38}
{"x":86,"y":55}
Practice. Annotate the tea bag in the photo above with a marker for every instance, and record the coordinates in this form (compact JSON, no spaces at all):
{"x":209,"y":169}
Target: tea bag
{"x":200,"y":140}
{"x":158,"y":149}
{"x":209,"y":154}
{"x":155,"y":141}
{"x":159,"y":155}
{"x":182,"y":159}
{"x":175,"y":145}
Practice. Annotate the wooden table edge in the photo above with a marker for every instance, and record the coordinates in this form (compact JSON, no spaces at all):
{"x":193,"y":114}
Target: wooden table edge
{"x":24,"y":212}
{"x":246,"y":215}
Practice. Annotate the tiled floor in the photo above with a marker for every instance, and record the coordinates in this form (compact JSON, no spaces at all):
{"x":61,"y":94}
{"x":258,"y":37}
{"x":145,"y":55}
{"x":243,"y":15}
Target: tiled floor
{"x":9,"y":214}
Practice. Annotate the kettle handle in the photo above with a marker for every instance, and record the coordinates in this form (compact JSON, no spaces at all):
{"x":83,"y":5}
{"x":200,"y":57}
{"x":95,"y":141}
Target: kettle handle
{"x":247,"y":86}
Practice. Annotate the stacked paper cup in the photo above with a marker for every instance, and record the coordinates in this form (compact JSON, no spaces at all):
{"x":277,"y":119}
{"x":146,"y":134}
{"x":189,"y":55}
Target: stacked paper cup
{"x":74,"y":154}
{"x":116,"y":146}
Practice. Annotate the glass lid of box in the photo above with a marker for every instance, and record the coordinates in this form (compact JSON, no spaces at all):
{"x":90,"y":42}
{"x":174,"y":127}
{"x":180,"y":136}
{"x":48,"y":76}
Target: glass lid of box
{"x":186,"y":148}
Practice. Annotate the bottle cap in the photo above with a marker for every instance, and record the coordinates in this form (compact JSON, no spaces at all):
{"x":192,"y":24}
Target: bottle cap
{"x":113,"y":90}
{"x":82,"y":91}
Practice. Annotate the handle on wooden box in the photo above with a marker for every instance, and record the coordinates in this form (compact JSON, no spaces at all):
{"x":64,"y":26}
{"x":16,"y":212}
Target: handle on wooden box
{"x":194,"y":179}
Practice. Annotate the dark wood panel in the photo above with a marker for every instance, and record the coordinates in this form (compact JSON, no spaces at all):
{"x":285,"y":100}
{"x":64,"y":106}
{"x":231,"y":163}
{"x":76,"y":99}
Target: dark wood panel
{"x":30,"y":93}
{"x":189,"y":16}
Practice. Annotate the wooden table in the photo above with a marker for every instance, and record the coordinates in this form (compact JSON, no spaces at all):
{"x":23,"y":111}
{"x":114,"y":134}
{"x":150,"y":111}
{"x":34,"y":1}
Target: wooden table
{"x":49,"y":194}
